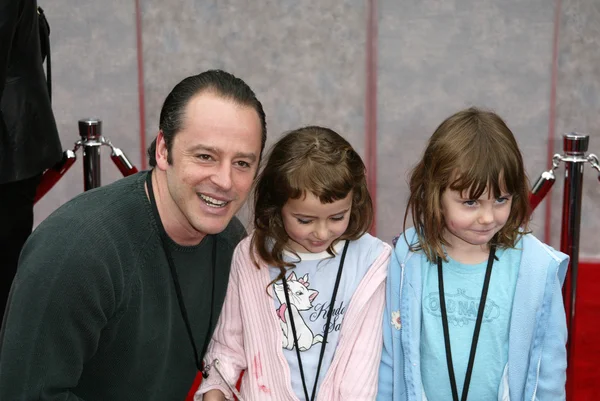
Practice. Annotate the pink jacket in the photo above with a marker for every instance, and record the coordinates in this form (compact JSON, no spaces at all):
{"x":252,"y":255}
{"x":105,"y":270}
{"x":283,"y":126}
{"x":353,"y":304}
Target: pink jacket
{"x":248,"y":337}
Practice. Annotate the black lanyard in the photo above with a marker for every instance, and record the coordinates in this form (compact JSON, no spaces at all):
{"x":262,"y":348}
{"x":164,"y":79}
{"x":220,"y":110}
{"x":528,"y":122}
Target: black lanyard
{"x":184,"y":315}
{"x":329,"y":314}
{"x":484,"y":291}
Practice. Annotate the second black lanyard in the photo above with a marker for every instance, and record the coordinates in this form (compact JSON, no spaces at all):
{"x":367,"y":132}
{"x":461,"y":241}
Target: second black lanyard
{"x":484,"y":291}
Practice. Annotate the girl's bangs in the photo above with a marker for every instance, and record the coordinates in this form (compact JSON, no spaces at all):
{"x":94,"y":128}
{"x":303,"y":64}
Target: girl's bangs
{"x":476,"y":174}
{"x":327,"y":184}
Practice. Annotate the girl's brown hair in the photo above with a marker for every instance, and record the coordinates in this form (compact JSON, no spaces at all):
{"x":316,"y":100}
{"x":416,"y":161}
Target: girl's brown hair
{"x":470,"y":151}
{"x":310,"y":159}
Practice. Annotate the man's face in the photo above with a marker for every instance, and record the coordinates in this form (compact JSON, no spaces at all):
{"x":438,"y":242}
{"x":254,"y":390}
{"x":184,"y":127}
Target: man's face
{"x":214,"y":159}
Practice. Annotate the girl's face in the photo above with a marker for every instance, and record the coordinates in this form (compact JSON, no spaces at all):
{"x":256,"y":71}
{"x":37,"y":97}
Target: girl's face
{"x":472,"y":223}
{"x":311,"y":225}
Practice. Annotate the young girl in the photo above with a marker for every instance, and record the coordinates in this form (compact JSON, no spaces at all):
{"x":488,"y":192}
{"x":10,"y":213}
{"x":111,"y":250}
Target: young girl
{"x":302,"y":315}
{"x":474,"y":305}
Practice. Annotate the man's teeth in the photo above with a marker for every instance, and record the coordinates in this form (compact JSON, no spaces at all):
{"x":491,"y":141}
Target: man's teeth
{"x":212,"y":201}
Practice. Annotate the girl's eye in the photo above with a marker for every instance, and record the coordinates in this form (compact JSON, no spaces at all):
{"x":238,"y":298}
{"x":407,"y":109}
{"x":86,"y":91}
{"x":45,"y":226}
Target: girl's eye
{"x":502,"y":200}
{"x":470,"y":202}
{"x":338,"y":218}
{"x":301,"y":221}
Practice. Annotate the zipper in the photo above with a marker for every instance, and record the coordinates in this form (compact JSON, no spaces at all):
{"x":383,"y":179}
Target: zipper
{"x":537,"y":378}
{"x":402,"y":266}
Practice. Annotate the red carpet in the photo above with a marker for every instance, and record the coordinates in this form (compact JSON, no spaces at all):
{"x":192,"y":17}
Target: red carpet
{"x":587,"y":326}
{"x":587,"y":346}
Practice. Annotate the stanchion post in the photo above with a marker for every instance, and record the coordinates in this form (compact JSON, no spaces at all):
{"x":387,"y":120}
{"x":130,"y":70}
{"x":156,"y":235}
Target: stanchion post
{"x":90,"y":130}
{"x":575,"y":145}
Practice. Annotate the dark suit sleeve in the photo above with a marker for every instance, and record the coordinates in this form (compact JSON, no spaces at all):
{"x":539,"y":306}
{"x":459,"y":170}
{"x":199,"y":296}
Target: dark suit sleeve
{"x":9,"y":13}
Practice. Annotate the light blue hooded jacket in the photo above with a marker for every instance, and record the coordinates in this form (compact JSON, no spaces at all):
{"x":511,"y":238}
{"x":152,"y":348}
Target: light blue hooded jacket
{"x":537,"y":358}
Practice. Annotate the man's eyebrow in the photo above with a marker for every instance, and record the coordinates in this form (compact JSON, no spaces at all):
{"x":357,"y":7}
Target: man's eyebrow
{"x":205,"y":148}
{"x":212,"y":149}
{"x":250,"y":156}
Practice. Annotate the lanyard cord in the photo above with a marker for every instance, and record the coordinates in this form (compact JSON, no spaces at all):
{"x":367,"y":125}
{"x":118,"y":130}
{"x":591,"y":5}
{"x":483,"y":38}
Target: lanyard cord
{"x":175,"y":277}
{"x":329,"y":314}
{"x":484,"y":291}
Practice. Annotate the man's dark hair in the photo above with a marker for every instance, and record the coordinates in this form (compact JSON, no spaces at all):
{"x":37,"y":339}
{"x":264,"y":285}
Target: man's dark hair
{"x":223,"y":84}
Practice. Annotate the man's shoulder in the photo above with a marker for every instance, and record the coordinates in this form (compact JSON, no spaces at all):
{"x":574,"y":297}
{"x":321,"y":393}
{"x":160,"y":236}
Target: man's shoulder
{"x":109,"y":201}
{"x":99,"y":231}
{"x":115,"y":191}
{"x":115,"y":210}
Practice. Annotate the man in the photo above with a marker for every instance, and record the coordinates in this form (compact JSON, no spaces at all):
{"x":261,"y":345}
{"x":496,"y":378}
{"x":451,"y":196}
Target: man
{"x":118,"y":291}
{"x":29,"y":141}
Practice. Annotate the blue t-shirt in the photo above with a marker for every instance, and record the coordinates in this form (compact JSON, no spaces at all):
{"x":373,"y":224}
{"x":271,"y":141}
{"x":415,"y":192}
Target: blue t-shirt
{"x":311,"y":285}
{"x":462,"y":286}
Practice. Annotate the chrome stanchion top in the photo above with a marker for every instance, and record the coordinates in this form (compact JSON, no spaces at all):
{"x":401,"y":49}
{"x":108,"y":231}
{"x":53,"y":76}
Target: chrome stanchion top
{"x":575,"y":143}
{"x":90,"y":128}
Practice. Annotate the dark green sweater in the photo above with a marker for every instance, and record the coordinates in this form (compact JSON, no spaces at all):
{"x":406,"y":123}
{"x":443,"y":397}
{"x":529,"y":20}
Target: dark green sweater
{"x":93,"y":313}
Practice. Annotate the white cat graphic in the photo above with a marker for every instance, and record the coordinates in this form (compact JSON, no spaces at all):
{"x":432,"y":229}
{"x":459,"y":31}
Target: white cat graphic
{"x":301,"y":298}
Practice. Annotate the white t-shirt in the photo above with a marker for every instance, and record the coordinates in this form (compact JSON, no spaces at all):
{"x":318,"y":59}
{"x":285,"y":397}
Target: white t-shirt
{"x":311,"y":285}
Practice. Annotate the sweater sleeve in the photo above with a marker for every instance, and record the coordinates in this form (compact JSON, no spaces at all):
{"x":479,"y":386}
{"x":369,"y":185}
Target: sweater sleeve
{"x":59,"y":303}
{"x":356,"y":373}
{"x":227,"y":344}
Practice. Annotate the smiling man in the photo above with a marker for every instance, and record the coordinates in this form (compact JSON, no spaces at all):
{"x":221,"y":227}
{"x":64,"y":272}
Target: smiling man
{"x":117,"y":293}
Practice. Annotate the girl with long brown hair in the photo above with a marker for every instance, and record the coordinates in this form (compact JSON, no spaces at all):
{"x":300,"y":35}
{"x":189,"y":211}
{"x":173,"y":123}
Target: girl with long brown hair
{"x":302,"y":315}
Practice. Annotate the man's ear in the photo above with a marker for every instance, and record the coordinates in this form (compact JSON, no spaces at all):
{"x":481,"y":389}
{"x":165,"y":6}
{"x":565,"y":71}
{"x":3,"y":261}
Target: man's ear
{"x":162,"y":153}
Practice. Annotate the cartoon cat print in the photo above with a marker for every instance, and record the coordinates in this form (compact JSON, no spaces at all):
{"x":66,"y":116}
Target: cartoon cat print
{"x":301,"y":298}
